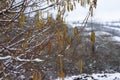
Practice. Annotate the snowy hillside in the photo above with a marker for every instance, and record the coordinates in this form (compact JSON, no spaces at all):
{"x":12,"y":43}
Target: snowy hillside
{"x":109,"y":29}
{"x":105,"y":34}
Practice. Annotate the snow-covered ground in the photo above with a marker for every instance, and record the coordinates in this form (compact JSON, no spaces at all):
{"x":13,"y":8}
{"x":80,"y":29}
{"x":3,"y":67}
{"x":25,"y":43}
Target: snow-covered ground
{"x":19,"y":59}
{"x":98,"y":76}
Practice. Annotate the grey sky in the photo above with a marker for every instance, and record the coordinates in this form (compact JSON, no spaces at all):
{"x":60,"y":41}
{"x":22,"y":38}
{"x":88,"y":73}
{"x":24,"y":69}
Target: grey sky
{"x":107,"y":10}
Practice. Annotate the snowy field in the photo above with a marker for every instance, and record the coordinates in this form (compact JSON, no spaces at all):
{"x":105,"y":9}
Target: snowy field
{"x":104,"y":76}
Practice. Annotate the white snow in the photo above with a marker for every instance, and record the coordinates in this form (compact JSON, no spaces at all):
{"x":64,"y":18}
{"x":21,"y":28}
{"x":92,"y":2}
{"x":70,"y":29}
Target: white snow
{"x":113,"y":28}
{"x":37,"y":60}
{"x":98,"y":76}
{"x":113,"y":24}
{"x":99,"y":33}
{"x":116,"y":38}
{"x":5,"y":57}
{"x":116,"y":24}
{"x":29,"y":60}
{"x":19,"y":59}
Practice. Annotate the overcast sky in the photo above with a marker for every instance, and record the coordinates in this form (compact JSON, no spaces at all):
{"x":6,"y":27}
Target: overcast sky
{"x":107,"y":10}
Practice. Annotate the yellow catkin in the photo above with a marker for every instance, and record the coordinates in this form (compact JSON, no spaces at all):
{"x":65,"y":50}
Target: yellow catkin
{"x":22,"y":19}
{"x":80,"y":66}
{"x":58,"y":34}
{"x":50,"y":21}
{"x":60,"y":42}
{"x":40,"y":76}
{"x":71,"y":7}
{"x":79,"y":1}
{"x":57,"y":1}
{"x":42,"y":23}
{"x":68,"y":8}
{"x":50,"y":47}
{"x":28,"y":33}
{"x":75,"y":31}
{"x":95,"y":3}
{"x":69,"y":39}
{"x":74,"y":4}
{"x":25,"y":44}
{"x":88,"y":1}
{"x":3,"y":71}
{"x":64,"y":6}
{"x":83,"y":3}
{"x":39,"y":22}
{"x":64,"y":35}
{"x":65,"y":28}
{"x":16,"y":52}
{"x":61,"y":69}
{"x":92,"y":37}
{"x":41,"y":47}
{"x":58,"y":17}
{"x":6,"y":4}
{"x":35,"y":75}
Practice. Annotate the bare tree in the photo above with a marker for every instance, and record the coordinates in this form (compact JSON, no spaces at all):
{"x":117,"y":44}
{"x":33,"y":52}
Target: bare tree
{"x":24,"y":37}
